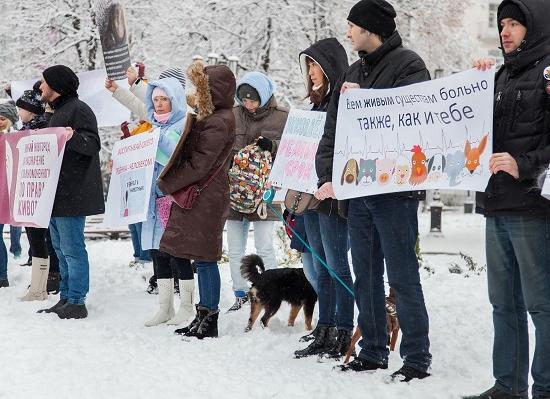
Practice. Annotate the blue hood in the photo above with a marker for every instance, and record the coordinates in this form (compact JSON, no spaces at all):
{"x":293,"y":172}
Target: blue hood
{"x":175,"y":92}
{"x":263,"y":85}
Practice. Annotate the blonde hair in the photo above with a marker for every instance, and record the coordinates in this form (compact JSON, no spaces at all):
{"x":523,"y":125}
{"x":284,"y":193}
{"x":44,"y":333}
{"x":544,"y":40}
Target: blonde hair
{"x":8,"y":126}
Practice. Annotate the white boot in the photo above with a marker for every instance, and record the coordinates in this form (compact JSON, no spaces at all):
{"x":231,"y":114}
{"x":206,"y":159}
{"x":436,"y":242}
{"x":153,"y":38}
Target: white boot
{"x":39,"y":280}
{"x":166,"y":301}
{"x":187,"y":308}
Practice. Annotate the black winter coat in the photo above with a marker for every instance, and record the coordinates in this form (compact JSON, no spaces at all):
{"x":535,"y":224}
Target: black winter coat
{"x":80,"y":189}
{"x":391,"y":65}
{"x":522,"y":119}
{"x":332,"y":58}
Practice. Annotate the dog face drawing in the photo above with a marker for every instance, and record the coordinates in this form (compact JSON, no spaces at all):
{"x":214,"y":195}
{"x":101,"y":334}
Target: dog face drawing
{"x":436,"y":167}
{"x":384,"y":170}
{"x":367,"y":171}
{"x":454,"y":167}
{"x":351,"y":172}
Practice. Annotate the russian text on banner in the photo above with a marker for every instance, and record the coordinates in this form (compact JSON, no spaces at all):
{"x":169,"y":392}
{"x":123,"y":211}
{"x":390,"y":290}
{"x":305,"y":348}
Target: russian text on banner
{"x":430,"y":135}
{"x":294,"y":166}
{"x":131,"y":179}
{"x":28,"y":182}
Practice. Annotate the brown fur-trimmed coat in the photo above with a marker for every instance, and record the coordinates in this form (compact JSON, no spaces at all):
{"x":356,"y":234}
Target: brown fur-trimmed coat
{"x":206,"y":141}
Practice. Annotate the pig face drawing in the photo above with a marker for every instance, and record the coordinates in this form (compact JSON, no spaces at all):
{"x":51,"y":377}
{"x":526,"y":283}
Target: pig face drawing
{"x":384,"y":170}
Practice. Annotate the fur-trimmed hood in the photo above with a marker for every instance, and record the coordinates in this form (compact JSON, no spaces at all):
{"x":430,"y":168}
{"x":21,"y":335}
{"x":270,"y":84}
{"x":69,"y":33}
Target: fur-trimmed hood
{"x":215,"y":88}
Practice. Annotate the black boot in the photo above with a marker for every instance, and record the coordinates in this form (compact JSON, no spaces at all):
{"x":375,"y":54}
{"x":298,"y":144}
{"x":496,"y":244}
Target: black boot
{"x":54,"y":308}
{"x":4,"y":283}
{"x":495,"y":393}
{"x":407,"y":373}
{"x":340,"y":348}
{"x":152,"y":288}
{"x":201,"y":313}
{"x":208,"y":327}
{"x":71,"y":311}
{"x":52,"y":286}
{"x":311,"y":336}
{"x":359,"y":365}
{"x":325,"y":339}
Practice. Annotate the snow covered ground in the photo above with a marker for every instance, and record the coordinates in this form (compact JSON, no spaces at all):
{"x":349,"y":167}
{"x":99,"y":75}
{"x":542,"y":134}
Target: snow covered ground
{"x":112,"y":355}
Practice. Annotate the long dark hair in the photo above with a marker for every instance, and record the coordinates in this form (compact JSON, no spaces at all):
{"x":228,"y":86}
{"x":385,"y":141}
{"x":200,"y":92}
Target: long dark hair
{"x":316,"y":96}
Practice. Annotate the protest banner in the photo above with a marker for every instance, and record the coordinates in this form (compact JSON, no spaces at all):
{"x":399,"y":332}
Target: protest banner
{"x":112,"y":32}
{"x":430,"y":135}
{"x":131,"y":179}
{"x":294,"y":166}
{"x":28,"y":181}
{"x":545,"y":192}
{"x":108,"y":111}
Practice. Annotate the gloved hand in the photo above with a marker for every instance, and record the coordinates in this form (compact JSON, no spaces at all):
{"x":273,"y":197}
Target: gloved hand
{"x":265,"y":144}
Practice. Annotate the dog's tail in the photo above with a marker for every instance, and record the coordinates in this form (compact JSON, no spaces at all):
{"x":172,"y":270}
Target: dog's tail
{"x":252,"y":267}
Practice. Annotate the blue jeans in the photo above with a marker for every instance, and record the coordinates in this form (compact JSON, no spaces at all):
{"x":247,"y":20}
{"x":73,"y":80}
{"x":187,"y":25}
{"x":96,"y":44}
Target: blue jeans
{"x":139,"y":253}
{"x":3,"y":256}
{"x":15,"y":240}
{"x":68,"y":241}
{"x":309,"y":270}
{"x":209,"y":284}
{"x":328,"y":236}
{"x":386,"y":227}
{"x":518,"y":275}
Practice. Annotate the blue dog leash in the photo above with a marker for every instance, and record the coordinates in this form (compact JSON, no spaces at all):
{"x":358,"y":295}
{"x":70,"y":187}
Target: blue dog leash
{"x":268,"y":199}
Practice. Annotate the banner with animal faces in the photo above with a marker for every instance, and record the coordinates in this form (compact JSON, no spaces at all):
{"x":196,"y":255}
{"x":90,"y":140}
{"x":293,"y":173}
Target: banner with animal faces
{"x":133,"y":162}
{"x":31,"y":162}
{"x":430,"y":135}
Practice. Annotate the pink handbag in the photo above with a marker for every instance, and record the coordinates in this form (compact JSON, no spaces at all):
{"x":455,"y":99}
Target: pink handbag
{"x":164,"y":205}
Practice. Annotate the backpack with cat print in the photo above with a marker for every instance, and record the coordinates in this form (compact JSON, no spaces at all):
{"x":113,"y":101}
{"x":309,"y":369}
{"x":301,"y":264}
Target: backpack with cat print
{"x":247,"y":179}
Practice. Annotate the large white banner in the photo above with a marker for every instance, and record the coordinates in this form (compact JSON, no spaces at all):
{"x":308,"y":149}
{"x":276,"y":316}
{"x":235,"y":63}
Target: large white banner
{"x":430,"y":135}
{"x":131,"y":179}
{"x":294,"y":166}
{"x":107,"y":110}
{"x":30,"y":165}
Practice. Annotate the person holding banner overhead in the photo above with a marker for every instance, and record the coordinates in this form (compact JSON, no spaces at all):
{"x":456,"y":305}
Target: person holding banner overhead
{"x":165,"y":102}
{"x":79,"y":190}
{"x":327,"y":231}
{"x":382,"y":227}
{"x":517,"y":216}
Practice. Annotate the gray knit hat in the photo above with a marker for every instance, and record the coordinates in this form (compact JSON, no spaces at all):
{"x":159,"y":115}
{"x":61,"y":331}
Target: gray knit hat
{"x":174,"y":73}
{"x":8,"y":110}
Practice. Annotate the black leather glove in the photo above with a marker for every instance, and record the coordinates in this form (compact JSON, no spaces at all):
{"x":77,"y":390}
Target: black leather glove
{"x":265,"y":144}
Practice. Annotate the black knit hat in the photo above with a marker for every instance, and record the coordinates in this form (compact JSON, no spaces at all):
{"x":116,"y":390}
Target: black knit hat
{"x":62,"y":79}
{"x":30,"y":101}
{"x":376,"y":16}
{"x":248,"y":92}
{"x":511,"y":10}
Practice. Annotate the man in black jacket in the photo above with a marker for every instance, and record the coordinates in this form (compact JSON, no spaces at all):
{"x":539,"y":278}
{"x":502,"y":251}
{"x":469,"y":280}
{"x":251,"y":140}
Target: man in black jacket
{"x":79,"y":190}
{"x":517,"y":216}
{"x":381,"y":227}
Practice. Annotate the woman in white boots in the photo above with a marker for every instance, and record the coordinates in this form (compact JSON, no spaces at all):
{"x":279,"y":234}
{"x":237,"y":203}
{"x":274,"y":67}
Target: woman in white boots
{"x":31,"y":112}
{"x":166,"y":109}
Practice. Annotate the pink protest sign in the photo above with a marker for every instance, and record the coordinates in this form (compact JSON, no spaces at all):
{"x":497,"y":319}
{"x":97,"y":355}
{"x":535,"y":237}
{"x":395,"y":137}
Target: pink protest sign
{"x":28,"y":181}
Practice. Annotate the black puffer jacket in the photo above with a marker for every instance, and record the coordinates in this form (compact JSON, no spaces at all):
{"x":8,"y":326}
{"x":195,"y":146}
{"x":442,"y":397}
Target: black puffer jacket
{"x":332,"y":58}
{"x":522,"y":119}
{"x":391,"y":65}
{"x":80,"y":189}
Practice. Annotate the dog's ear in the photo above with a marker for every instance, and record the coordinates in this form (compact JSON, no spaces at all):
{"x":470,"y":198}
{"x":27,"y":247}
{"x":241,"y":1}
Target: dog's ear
{"x":344,"y":174}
